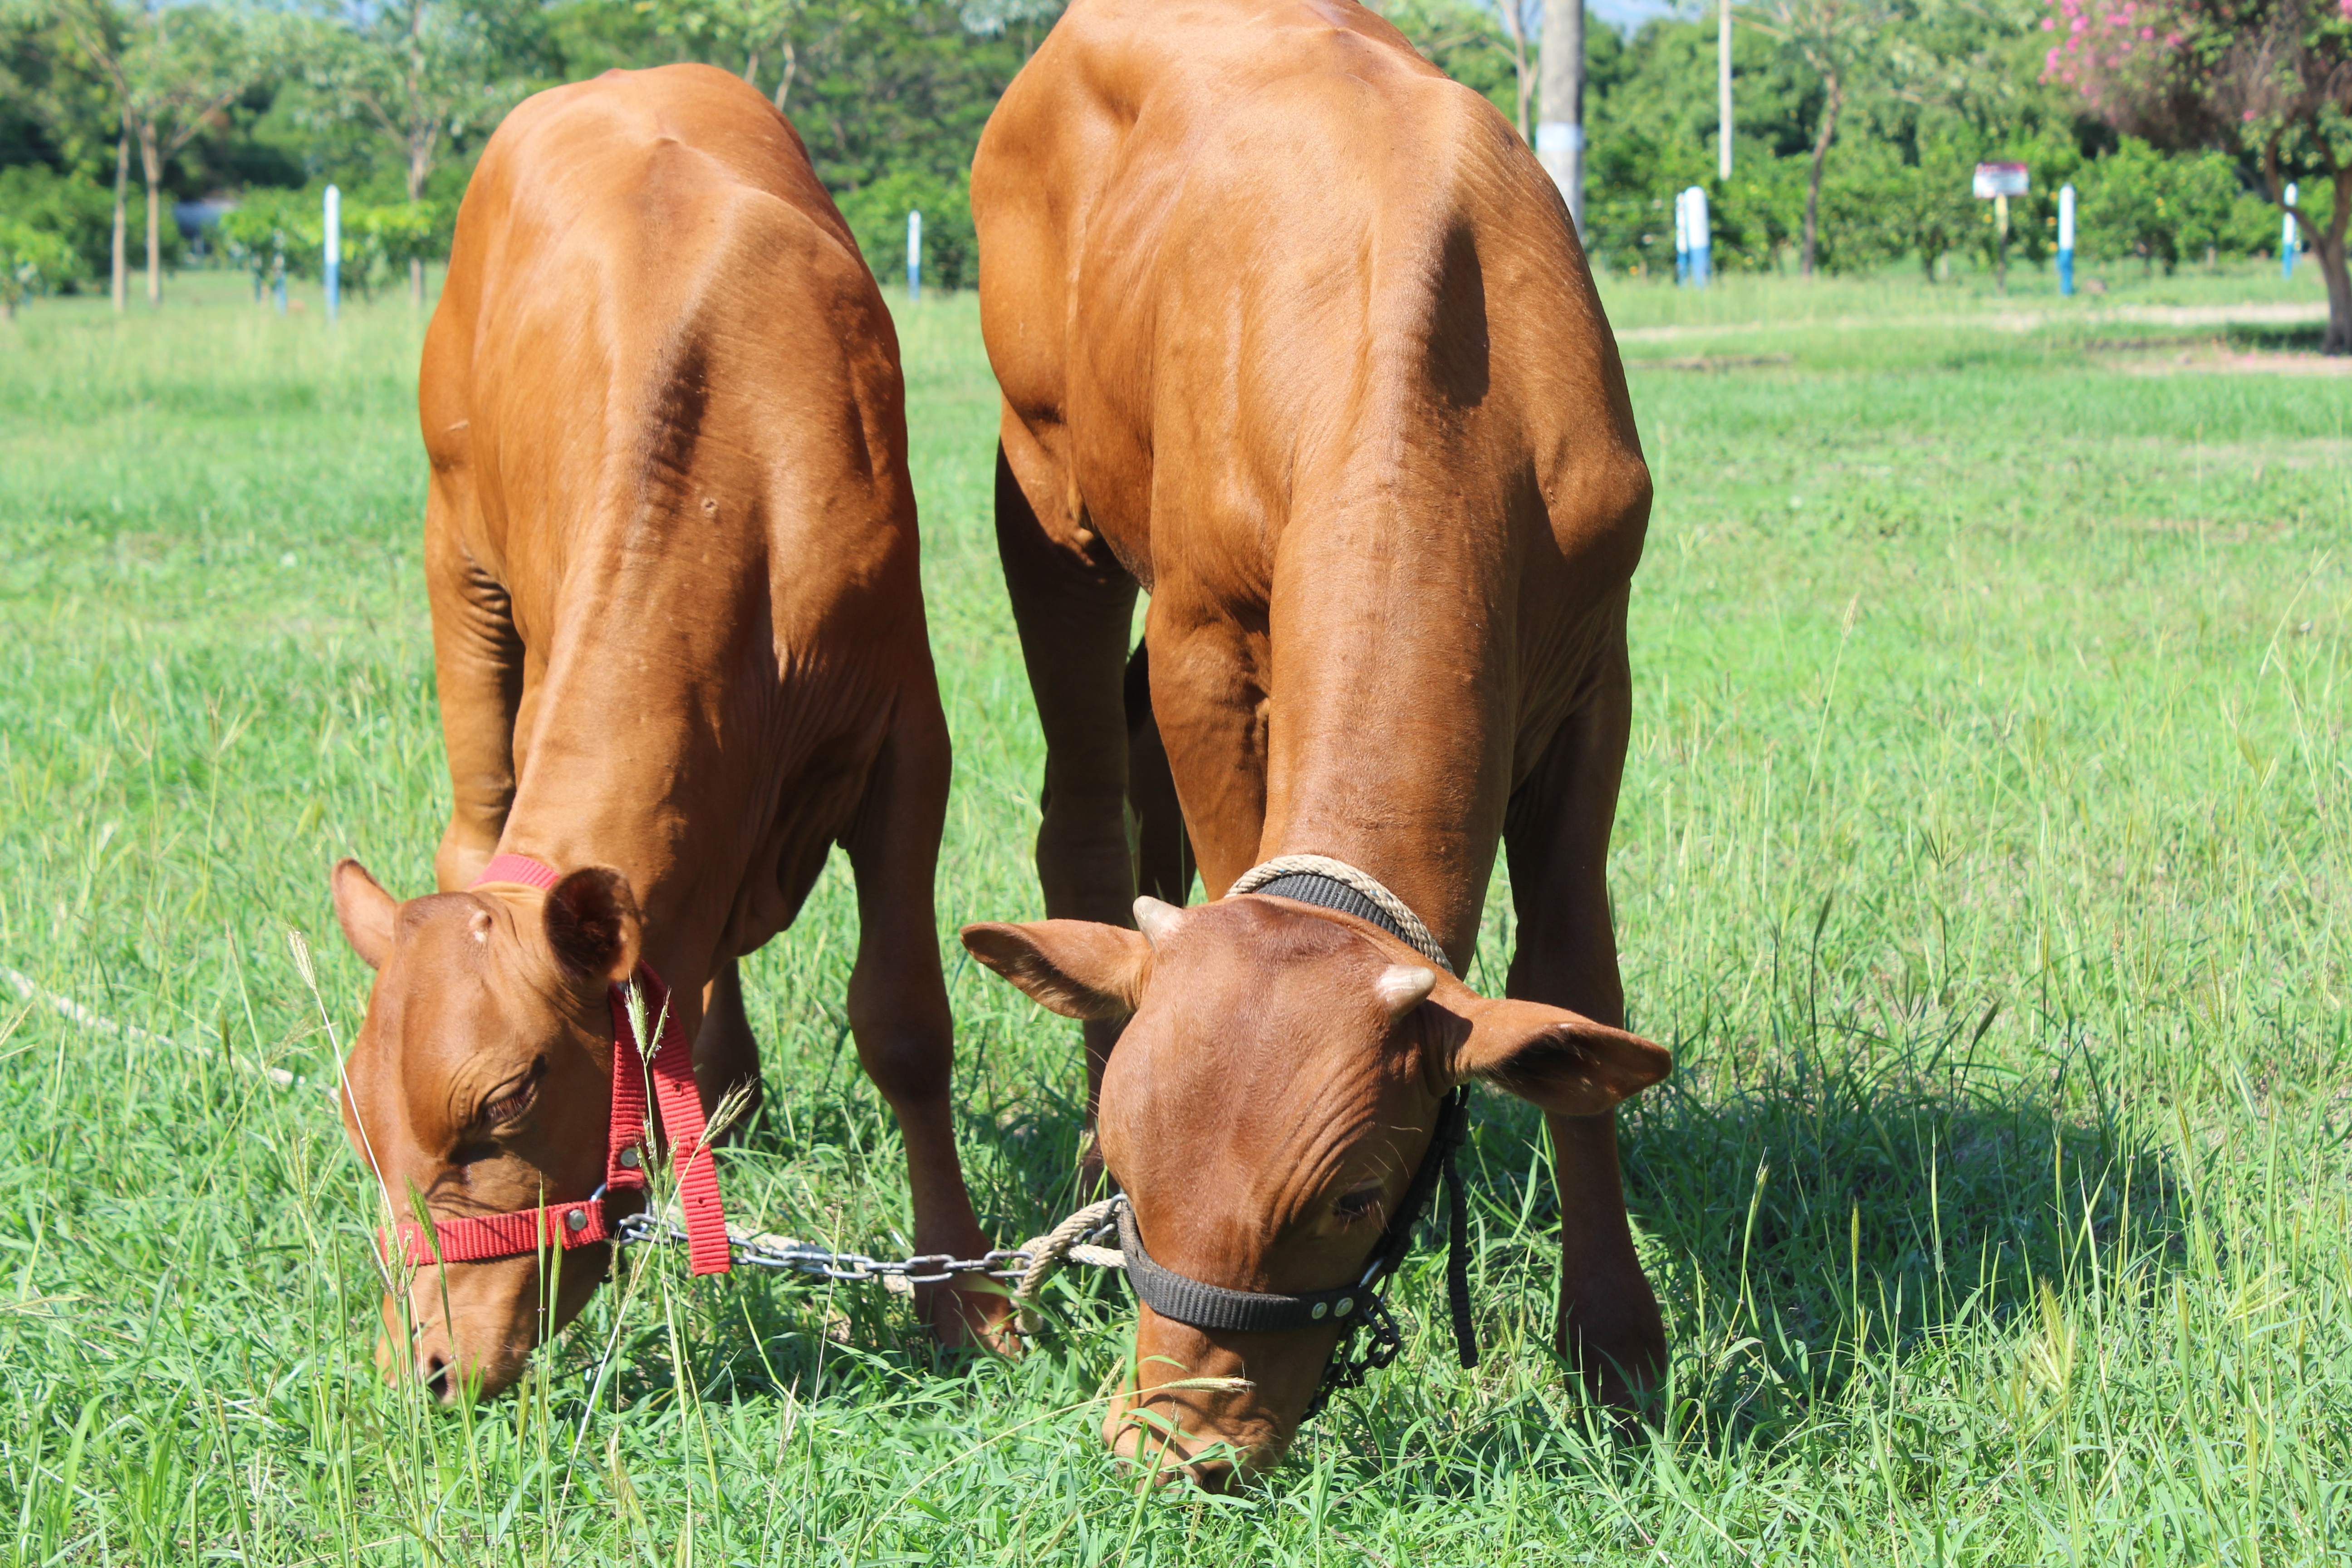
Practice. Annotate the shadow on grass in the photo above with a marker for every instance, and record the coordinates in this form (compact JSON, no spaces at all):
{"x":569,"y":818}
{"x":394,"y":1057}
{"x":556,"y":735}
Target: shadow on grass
{"x":1856,"y":1212}
{"x":2299,"y":337}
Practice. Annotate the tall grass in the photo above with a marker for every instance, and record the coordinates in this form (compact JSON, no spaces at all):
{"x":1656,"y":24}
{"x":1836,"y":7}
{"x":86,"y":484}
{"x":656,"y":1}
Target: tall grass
{"x":1983,"y":855}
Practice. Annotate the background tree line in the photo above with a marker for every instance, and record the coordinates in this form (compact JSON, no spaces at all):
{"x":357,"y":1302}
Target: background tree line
{"x":1856,"y":124}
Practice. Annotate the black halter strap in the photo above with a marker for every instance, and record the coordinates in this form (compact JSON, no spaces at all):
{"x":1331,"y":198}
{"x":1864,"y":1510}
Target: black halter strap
{"x":1214,"y":1307}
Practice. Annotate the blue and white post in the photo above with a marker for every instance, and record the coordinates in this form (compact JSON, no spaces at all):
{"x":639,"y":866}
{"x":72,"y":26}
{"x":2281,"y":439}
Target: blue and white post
{"x":2289,"y":241}
{"x":914,"y":255}
{"x":334,"y":250}
{"x":1682,"y":237}
{"x":2066,"y":240}
{"x":1702,"y":240}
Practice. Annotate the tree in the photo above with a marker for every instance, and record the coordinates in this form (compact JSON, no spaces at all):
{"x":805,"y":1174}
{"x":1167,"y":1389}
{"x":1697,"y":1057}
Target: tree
{"x":174,"y":69}
{"x":425,"y":73}
{"x":2270,"y":79}
{"x":1840,"y":41}
{"x":727,"y":30}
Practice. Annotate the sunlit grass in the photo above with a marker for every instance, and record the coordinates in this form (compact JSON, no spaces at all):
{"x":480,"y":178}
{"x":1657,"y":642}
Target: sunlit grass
{"x":1983,"y":855}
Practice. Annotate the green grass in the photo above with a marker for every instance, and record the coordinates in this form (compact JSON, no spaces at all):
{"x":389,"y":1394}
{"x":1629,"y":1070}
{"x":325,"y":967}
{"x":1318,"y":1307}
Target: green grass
{"x":1983,"y":855}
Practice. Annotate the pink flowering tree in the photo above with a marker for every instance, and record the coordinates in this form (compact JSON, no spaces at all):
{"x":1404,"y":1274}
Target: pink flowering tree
{"x":2267,"y":79}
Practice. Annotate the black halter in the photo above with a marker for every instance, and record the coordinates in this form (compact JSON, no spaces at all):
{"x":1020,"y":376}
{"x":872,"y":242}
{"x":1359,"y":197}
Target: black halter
{"x":1352,"y":1307}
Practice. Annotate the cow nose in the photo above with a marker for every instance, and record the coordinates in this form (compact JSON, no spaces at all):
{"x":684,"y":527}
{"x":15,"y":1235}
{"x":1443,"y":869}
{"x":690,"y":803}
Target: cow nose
{"x":1167,"y":1460}
{"x":433,"y":1370}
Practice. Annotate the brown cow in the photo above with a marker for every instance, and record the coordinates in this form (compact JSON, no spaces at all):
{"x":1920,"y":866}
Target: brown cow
{"x":678,"y":636}
{"x":1294,"y":333}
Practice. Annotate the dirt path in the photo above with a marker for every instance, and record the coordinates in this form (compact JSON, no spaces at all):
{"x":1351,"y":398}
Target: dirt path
{"x":2288,"y":314}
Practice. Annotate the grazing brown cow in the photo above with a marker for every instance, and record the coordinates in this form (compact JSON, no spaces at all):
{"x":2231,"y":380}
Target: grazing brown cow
{"x":678,"y":636}
{"x":1296,"y":335}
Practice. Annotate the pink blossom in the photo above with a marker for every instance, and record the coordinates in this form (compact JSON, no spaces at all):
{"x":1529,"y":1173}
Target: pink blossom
{"x":2050,"y":24}
{"x":2147,"y":32}
{"x":2077,"y":26}
{"x":2172,"y":40}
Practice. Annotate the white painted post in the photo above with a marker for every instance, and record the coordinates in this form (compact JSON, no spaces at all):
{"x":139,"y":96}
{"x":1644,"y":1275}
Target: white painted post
{"x":2289,"y":241}
{"x":2066,"y":240}
{"x":914,"y":255}
{"x":334,"y":250}
{"x":1682,"y":237}
{"x":1702,"y":240}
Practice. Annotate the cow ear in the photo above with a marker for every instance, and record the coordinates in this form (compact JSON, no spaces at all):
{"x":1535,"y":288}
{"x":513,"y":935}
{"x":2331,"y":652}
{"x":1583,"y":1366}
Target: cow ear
{"x":1077,"y":968}
{"x":593,"y":926}
{"x":365,"y":910}
{"x":1558,"y":1061}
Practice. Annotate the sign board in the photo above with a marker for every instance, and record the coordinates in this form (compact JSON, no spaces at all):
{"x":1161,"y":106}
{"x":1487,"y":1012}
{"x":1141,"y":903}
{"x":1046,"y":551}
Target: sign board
{"x":1999,"y":180}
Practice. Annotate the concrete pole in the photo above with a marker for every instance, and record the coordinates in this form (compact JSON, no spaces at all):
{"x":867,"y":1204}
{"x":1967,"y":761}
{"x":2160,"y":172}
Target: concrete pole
{"x":1559,"y":133}
{"x":1723,"y":93}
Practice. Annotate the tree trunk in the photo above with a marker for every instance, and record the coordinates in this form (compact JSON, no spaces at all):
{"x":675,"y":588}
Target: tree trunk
{"x":2330,"y":247}
{"x":792,"y":69}
{"x":2329,"y":253}
{"x":121,"y":223}
{"x":1517,"y":34}
{"x":420,"y":164}
{"x":1811,"y":254}
{"x":151,"y":163}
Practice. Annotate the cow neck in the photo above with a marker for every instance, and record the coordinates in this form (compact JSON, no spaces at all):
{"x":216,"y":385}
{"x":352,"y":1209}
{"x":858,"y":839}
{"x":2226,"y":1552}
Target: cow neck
{"x":1413,"y":809}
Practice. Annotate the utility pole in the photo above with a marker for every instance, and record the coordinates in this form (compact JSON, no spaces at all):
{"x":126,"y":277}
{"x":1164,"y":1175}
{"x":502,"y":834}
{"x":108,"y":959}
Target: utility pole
{"x":1723,"y":91}
{"x":1559,"y":134}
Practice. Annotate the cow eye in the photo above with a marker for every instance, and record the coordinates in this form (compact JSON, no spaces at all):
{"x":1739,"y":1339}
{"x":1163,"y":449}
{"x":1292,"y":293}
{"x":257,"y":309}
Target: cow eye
{"x":513,"y":1099}
{"x":1357,"y":1205}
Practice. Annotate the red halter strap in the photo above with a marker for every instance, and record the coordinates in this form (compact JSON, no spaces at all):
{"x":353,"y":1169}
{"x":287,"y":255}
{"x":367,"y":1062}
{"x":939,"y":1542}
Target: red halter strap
{"x":479,"y":1237}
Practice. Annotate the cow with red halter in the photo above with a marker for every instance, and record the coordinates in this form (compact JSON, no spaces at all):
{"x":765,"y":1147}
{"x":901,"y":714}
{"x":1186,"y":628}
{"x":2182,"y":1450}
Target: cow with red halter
{"x":1296,"y":335}
{"x":679,"y":642}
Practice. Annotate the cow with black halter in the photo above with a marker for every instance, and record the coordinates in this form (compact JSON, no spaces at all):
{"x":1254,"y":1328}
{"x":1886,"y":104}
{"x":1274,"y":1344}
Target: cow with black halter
{"x":1294,"y":333}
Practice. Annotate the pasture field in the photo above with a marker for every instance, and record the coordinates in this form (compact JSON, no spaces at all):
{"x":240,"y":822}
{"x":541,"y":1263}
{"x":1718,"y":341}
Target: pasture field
{"x":1985,"y":856}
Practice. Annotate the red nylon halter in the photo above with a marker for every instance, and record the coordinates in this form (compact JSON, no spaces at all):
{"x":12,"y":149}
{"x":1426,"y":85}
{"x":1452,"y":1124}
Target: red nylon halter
{"x":478,"y":1237}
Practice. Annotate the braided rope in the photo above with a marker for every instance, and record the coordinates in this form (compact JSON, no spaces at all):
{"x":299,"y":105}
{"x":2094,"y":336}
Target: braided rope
{"x":1416,"y":935}
{"x":1064,"y":1243}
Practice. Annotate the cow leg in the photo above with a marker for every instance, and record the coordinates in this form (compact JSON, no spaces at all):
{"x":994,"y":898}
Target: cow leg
{"x":1557,"y":836}
{"x":726,"y":1055}
{"x":898,"y":1002}
{"x":1073,"y":608}
{"x":1164,"y":852}
{"x":477,"y":667}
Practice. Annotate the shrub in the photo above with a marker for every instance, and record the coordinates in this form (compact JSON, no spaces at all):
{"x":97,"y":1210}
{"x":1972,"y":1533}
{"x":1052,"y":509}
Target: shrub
{"x":33,"y":261}
{"x":72,"y":207}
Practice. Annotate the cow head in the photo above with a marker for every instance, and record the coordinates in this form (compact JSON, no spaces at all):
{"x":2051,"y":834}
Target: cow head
{"x":1277,"y":1083}
{"x":481,"y":1081}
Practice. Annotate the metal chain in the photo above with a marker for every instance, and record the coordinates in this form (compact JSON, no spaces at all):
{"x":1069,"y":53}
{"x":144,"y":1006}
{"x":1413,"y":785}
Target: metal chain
{"x":1026,"y":1267}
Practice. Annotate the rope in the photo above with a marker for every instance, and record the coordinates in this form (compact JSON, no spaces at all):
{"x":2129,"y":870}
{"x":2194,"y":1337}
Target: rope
{"x":1065,"y":1243}
{"x":1408,"y":924}
{"x":65,"y":1008}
